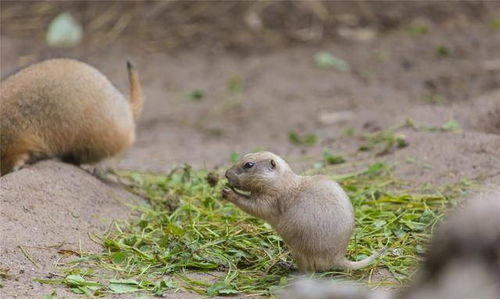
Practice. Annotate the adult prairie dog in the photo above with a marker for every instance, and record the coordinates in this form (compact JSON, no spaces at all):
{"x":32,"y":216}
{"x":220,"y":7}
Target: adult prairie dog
{"x":67,"y":109}
{"x":312,"y":214}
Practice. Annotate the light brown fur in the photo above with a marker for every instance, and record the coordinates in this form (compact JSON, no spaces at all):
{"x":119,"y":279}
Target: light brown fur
{"x":64,"y":108}
{"x":312,"y":214}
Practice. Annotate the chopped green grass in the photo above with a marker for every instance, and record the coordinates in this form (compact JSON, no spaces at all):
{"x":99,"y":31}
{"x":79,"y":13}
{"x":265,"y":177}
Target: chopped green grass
{"x":187,"y":229}
{"x":306,"y":140}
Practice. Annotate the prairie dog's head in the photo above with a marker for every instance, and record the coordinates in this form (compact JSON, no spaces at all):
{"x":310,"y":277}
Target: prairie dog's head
{"x":257,"y":172}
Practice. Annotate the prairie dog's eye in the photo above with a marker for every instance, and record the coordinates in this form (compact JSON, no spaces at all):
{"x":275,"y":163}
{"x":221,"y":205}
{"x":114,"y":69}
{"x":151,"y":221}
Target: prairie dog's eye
{"x":248,"y":165}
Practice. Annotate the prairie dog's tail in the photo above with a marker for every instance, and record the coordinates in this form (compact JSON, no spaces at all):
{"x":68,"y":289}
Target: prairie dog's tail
{"x":347,"y":264}
{"x":135,"y":96}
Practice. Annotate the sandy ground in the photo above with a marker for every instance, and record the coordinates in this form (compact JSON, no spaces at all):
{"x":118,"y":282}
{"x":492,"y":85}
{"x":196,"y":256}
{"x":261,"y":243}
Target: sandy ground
{"x":46,"y":208}
{"x":52,"y":203}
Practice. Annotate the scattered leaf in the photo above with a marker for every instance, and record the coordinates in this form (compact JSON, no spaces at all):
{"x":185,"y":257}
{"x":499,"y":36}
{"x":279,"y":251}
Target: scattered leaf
{"x":380,"y":223}
{"x":64,"y":31}
{"x":325,"y":60}
{"x":401,"y":140}
{"x":195,"y":95}
{"x":443,"y":51}
{"x":494,"y":24}
{"x":79,"y":285}
{"x":451,"y":126}
{"x":418,"y":27}
{"x":204,"y":233}
{"x":235,"y":84}
{"x":398,"y":251}
{"x":434,"y":98}
{"x":235,"y":157}
{"x":306,"y":140}
{"x":52,"y":295}
{"x":118,"y":257}
{"x":332,"y":159}
{"x":221,"y":288}
{"x":162,"y":286}
{"x":122,"y":286}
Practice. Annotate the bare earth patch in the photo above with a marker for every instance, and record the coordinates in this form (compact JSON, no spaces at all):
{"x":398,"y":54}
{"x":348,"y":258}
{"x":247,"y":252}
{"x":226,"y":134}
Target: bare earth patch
{"x":47,"y":208}
{"x":52,"y":206}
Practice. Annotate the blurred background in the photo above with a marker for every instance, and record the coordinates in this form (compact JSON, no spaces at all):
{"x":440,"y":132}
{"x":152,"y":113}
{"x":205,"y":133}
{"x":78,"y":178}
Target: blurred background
{"x":223,"y":78}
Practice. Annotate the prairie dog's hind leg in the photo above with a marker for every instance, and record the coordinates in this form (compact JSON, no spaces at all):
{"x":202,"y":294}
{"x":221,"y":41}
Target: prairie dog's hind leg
{"x":105,"y":170}
{"x":13,"y":162}
{"x":20,"y":161}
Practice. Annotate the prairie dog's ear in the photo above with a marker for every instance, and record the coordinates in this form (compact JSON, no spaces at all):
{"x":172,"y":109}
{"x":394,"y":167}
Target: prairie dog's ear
{"x":273,"y":163}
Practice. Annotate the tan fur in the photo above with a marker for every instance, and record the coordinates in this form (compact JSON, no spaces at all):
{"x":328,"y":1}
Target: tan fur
{"x":312,"y":214}
{"x":66,"y":109}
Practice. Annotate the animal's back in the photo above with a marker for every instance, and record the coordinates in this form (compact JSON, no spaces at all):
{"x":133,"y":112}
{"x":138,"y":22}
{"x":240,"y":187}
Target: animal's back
{"x":62,"y":108}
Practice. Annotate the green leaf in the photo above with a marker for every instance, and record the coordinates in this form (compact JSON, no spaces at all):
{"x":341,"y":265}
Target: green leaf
{"x":451,"y":125}
{"x":418,"y":27}
{"x":221,"y":288}
{"x":111,"y":244}
{"x":175,"y":230}
{"x":143,"y":224}
{"x":399,"y":233}
{"x":325,"y":60}
{"x":401,"y":140}
{"x":52,"y":295}
{"x":235,"y":157}
{"x":195,"y":95}
{"x":200,"y":265}
{"x":75,"y":280}
{"x":77,"y":290}
{"x":138,"y":179}
{"x":121,"y":286}
{"x":235,"y":85}
{"x":434,"y":98}
{"x":228,"y":291}
{"x":420,"y":249}
{"x":495,"y":24}
{"x":375,"y":168}
{"x":443,"y":51}
{"x":398,"y":251}
{"x":332,"y":159}
{"x":306,"y":140}
{"x":118,"y":257}
{"x":64,"y":31}
{"x":379,"y":223}
{"x":161,"y":286}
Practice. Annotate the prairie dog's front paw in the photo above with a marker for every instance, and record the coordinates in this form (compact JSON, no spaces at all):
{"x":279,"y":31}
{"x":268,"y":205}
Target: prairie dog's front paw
{"x":225,"y":192}
{"x":228,"y":194}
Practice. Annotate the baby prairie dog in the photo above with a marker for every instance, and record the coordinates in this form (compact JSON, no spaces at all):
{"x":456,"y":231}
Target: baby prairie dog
{"x":67,"y":109}
{"x":312,"y":214}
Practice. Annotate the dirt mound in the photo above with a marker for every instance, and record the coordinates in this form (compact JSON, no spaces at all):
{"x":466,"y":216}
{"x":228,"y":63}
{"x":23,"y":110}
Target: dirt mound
{"x":46,"y":208}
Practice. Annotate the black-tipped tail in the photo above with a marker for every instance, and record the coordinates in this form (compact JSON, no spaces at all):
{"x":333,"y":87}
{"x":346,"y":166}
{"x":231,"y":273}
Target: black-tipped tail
{"x":130,"y":65}
{"x":135,"y":96}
